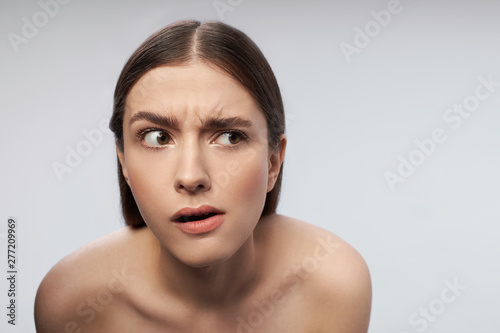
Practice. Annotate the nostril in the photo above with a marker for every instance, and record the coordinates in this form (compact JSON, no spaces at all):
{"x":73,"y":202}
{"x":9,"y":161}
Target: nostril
{"x":192,"y":188}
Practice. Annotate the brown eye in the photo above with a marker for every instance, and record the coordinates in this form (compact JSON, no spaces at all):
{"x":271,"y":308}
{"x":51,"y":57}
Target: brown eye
{"x":234,"y":138}
{"x":157,"y":138}
{"x":230,"y":138}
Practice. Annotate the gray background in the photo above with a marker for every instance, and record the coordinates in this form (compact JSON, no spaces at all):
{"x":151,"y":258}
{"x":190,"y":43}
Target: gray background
{"x":348,"y":123}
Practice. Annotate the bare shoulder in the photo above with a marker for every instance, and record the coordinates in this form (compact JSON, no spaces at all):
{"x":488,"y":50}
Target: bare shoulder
{"x":332,"y":274}
{"x":74,"y":291}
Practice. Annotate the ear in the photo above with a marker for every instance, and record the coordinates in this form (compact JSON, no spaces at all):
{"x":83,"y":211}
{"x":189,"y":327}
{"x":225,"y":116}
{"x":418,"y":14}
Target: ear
{"x":122,"y":162}
{"x":276,"y":157}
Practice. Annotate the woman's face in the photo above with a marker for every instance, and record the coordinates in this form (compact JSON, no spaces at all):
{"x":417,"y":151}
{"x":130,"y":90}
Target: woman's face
{"x":193,"y":137}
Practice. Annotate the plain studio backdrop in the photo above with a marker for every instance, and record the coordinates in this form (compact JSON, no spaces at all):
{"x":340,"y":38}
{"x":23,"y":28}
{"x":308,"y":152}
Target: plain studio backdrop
{"x":392,"y":112}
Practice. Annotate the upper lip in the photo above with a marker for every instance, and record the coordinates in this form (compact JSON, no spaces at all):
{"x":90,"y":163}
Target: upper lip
{"x":202,"y":210}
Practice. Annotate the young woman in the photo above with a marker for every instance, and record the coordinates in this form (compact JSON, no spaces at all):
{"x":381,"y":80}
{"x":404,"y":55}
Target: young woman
{"x":199,"y":127}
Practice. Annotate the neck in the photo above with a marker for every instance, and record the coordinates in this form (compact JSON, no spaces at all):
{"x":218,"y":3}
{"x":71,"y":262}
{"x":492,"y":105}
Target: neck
{"x":220,"y":284}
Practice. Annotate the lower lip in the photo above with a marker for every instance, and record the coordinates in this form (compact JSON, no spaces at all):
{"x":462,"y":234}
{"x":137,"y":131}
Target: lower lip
{"x":202,"y":226}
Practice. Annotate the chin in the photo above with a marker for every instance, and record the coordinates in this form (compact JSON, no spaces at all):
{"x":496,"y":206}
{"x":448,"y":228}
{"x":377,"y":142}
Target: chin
{"x":204,"y":253}
{"x":204,"y":259}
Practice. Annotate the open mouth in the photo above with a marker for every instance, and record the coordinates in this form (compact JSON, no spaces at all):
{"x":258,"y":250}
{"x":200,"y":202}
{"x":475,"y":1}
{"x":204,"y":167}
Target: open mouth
{"x":193,"y":218}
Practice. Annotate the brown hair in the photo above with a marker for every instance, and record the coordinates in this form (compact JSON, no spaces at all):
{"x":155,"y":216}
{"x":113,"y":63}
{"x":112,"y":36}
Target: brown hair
{"x":216,"y":43}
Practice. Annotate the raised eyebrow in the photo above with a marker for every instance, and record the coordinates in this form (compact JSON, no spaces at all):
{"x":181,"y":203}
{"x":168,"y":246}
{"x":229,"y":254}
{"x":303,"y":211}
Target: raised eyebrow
{"x":161,"y":120}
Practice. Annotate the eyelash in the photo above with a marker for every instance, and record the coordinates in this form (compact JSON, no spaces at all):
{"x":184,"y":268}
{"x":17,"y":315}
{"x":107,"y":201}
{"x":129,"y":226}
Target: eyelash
{"x":142,"y":133}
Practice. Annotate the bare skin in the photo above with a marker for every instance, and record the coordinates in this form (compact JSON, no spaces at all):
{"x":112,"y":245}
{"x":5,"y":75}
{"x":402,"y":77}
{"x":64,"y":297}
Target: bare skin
{"x":194,"y":136}
{"x":308,"y":280}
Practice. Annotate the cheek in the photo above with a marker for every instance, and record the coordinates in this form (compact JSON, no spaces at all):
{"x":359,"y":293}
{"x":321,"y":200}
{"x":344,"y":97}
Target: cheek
{"x":239,"y":181}
{"x":147,"y":182}
{"x":249,"y":180}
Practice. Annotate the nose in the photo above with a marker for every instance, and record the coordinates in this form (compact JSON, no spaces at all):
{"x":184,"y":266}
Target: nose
{"x":191,"y":175}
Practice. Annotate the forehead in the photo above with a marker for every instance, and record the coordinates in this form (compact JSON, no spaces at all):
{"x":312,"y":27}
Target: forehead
{"x":195,"y":89}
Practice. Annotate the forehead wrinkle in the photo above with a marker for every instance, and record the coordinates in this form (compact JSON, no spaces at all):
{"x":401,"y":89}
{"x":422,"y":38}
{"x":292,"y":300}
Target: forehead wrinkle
{"x":213,"y":113}
{"x":193,"y":97}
